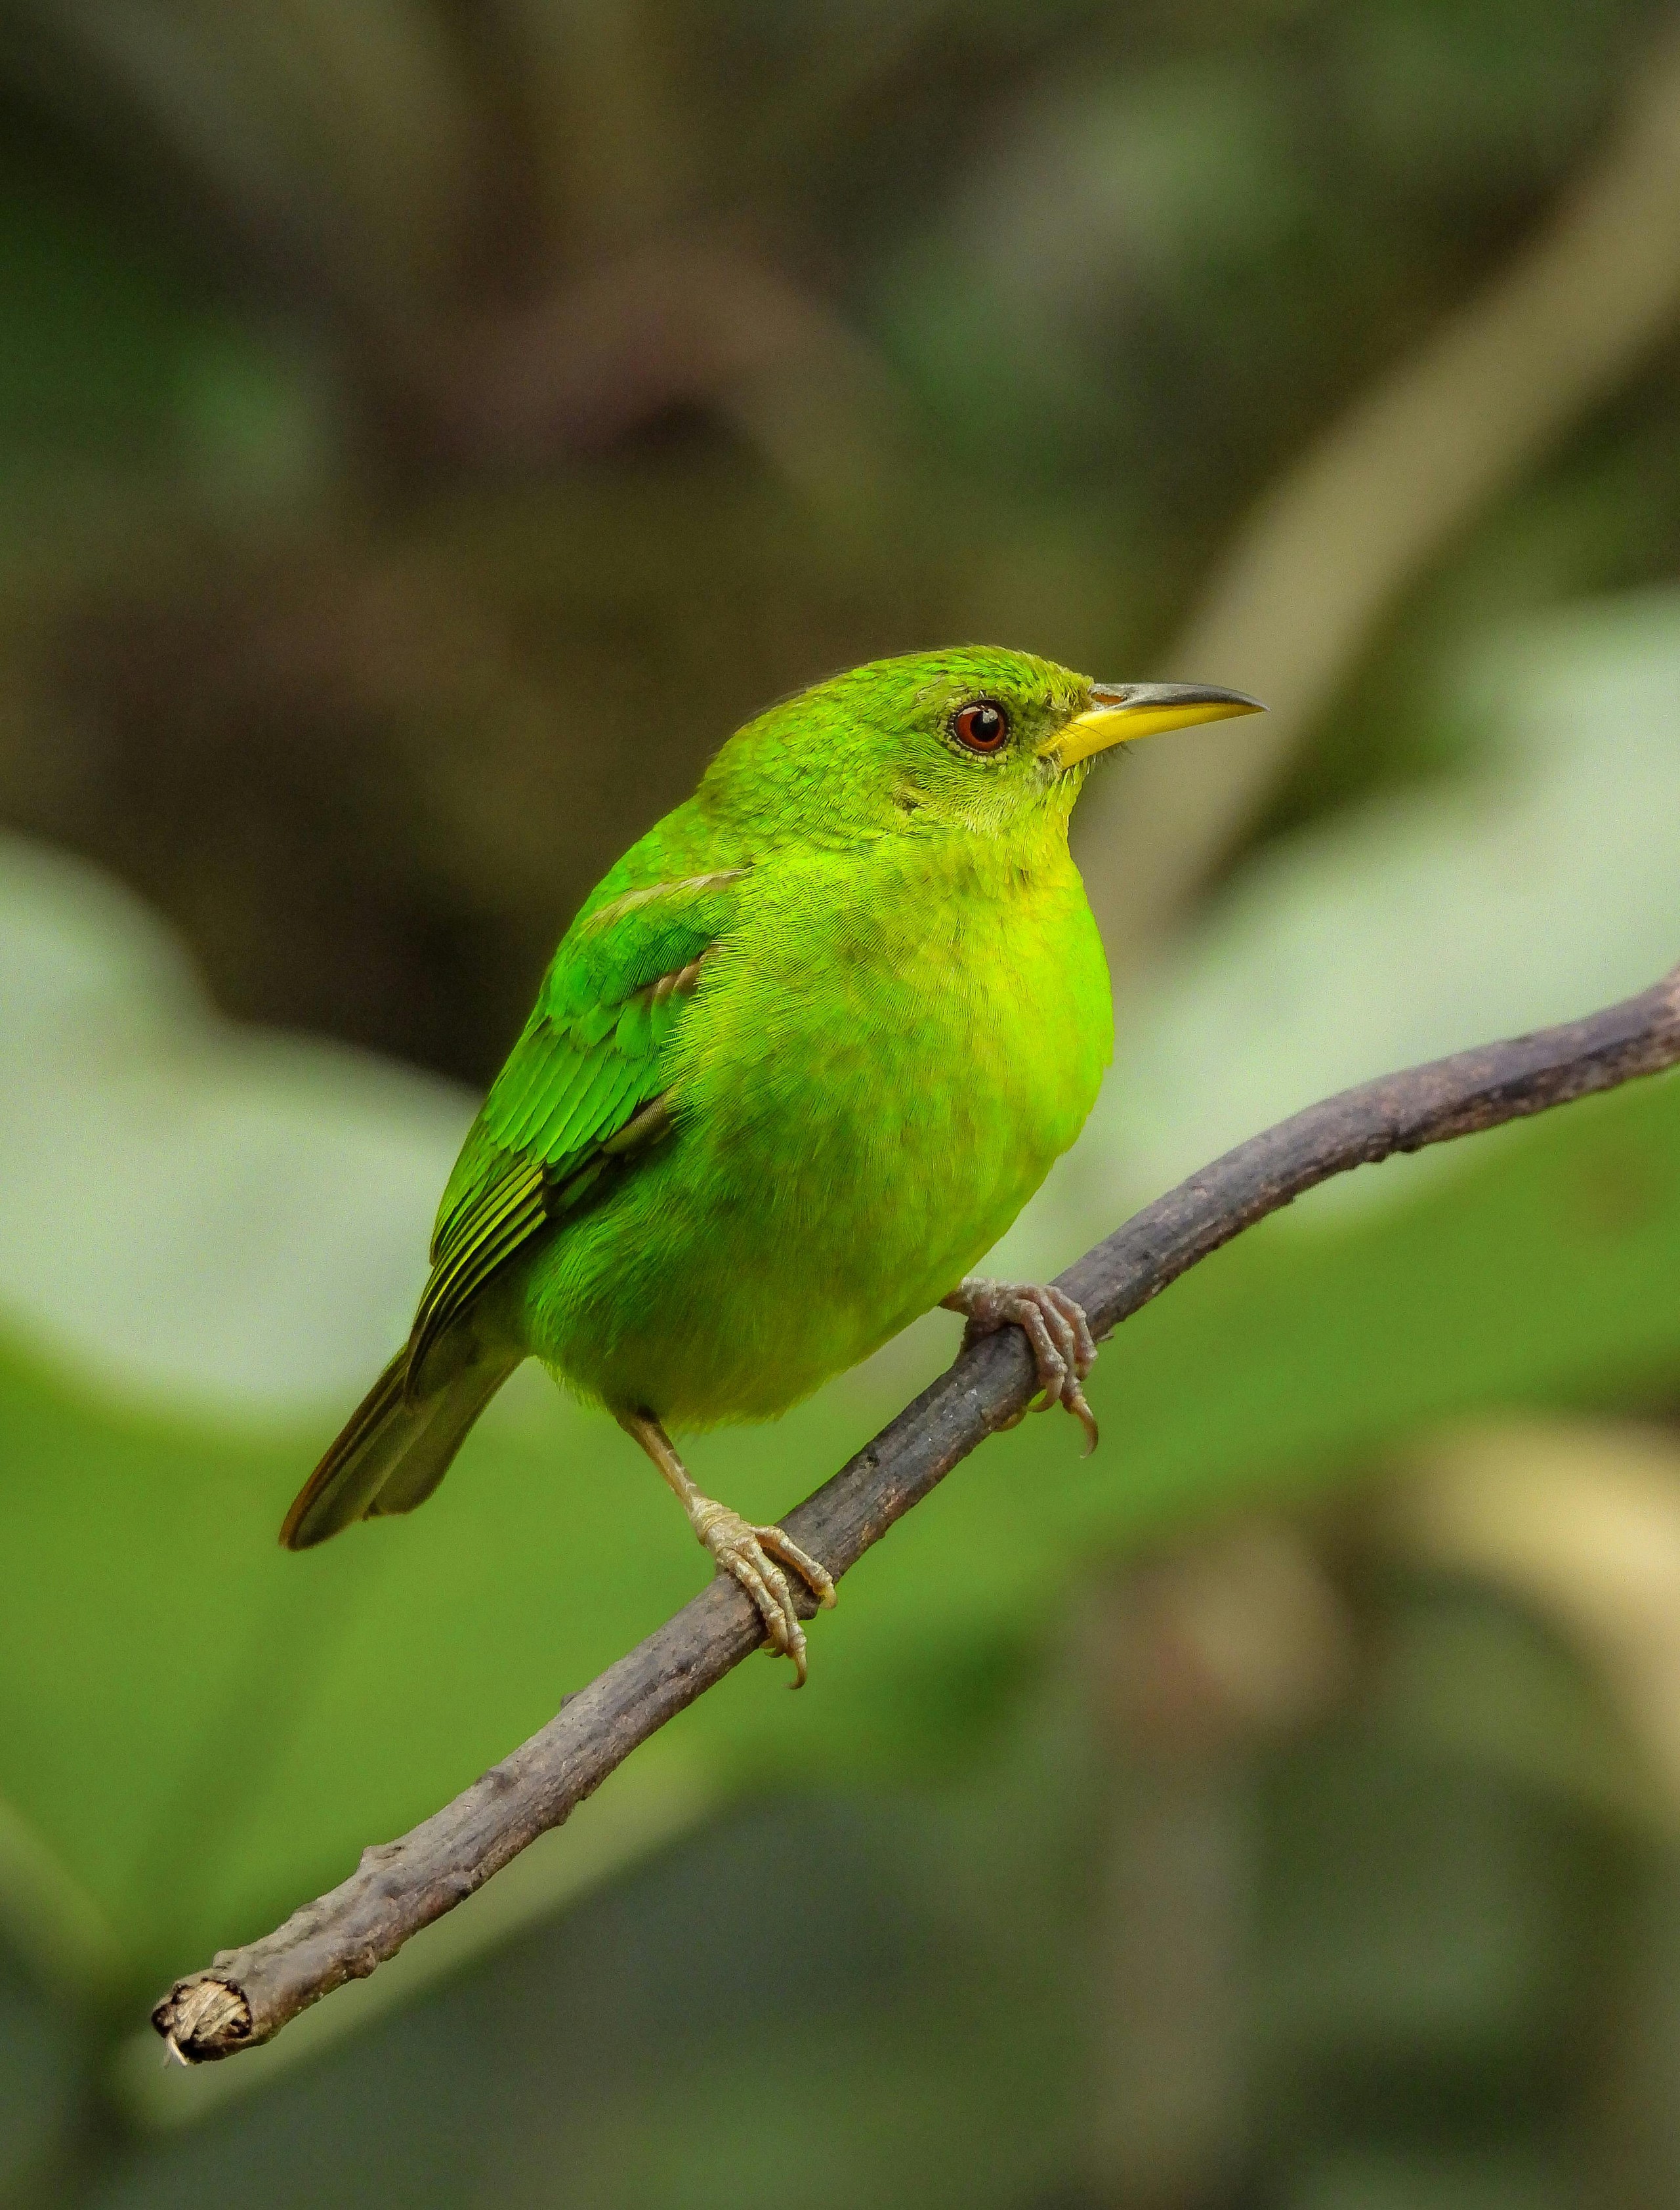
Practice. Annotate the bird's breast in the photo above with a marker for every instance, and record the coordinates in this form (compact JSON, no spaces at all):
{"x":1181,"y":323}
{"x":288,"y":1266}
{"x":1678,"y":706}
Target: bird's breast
{"x":875,"y":1072}
{"x":893,"y":1064}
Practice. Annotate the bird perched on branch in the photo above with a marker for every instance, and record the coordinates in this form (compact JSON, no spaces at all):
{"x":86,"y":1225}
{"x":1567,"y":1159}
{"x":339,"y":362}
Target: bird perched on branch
{"x":798,"y":1063}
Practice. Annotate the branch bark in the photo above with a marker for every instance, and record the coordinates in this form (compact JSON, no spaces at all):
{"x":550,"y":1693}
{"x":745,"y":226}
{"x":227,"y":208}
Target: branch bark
{"x":248,"y":1994}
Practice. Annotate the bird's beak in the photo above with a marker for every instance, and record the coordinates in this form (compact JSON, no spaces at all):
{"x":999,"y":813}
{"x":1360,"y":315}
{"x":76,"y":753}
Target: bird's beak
{"x":1120,"y":711}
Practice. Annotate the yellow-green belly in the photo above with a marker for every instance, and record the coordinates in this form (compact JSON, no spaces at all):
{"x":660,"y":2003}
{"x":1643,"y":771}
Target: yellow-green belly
{"x":874,"y":1077}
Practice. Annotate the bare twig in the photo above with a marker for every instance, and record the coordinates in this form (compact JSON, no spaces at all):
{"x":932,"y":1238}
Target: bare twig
{"x":249,"y":1994}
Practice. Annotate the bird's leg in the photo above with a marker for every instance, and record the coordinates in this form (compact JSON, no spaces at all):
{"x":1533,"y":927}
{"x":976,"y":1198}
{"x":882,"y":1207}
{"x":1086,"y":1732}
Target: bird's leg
{"x":747,"y":1554}
{"x":1063,"y":1348}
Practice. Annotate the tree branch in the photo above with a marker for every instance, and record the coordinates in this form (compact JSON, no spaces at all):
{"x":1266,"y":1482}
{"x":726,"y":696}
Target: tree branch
{"x":398,"y":1888}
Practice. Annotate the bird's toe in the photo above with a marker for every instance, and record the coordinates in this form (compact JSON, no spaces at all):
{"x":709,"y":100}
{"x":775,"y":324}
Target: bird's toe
{"x":749,"y":1555}
{"x":1064,"y":1349}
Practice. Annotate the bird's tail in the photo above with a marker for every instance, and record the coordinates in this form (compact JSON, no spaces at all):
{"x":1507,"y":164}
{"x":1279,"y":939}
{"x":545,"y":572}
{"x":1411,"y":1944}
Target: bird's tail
{"x":393,"y":1452}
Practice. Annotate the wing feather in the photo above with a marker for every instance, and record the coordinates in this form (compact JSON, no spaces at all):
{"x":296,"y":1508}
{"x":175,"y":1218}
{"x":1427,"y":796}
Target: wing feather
{"x":577,"y":1097}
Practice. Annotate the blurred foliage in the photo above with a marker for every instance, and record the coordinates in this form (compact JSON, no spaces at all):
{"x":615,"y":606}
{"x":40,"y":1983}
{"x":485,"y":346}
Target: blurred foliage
{"x":425,"y":430}
{"x":234,"y":1728}
{"x":408,"y":434}
{"x":1545,"y":1273}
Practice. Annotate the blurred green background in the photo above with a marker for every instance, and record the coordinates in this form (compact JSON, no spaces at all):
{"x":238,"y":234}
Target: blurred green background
{"x":426,"y":427}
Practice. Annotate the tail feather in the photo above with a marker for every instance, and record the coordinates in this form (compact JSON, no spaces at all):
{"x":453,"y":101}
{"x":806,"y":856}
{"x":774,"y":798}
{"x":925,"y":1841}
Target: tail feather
{"x":392,"y":1453}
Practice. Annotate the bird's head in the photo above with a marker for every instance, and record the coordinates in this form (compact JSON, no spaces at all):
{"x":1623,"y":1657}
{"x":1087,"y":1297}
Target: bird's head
{"x":980,"y":740}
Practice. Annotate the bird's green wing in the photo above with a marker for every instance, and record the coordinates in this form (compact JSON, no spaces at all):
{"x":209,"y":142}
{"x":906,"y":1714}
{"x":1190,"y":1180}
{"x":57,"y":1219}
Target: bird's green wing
{"x":581,"y":1093}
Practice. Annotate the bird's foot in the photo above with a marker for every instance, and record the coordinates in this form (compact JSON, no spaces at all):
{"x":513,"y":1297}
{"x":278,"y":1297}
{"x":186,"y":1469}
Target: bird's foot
{"x":1063,"y":1348}
{"x":749,"y":1555}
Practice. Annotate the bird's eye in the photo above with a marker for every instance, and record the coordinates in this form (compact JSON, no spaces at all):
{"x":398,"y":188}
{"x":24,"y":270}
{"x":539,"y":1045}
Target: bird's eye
{"x":983,"y":727}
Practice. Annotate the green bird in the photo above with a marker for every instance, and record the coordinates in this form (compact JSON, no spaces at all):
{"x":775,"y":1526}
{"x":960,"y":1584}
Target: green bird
{"x":798,"y":1063}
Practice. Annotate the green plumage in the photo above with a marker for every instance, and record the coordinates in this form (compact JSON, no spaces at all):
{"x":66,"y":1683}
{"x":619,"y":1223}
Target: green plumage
{"x":796,"y":1066}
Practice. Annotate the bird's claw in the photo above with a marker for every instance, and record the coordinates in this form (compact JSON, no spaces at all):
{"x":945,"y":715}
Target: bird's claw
{"x":1064,"y":1349}
{"x":749,"y":1555}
